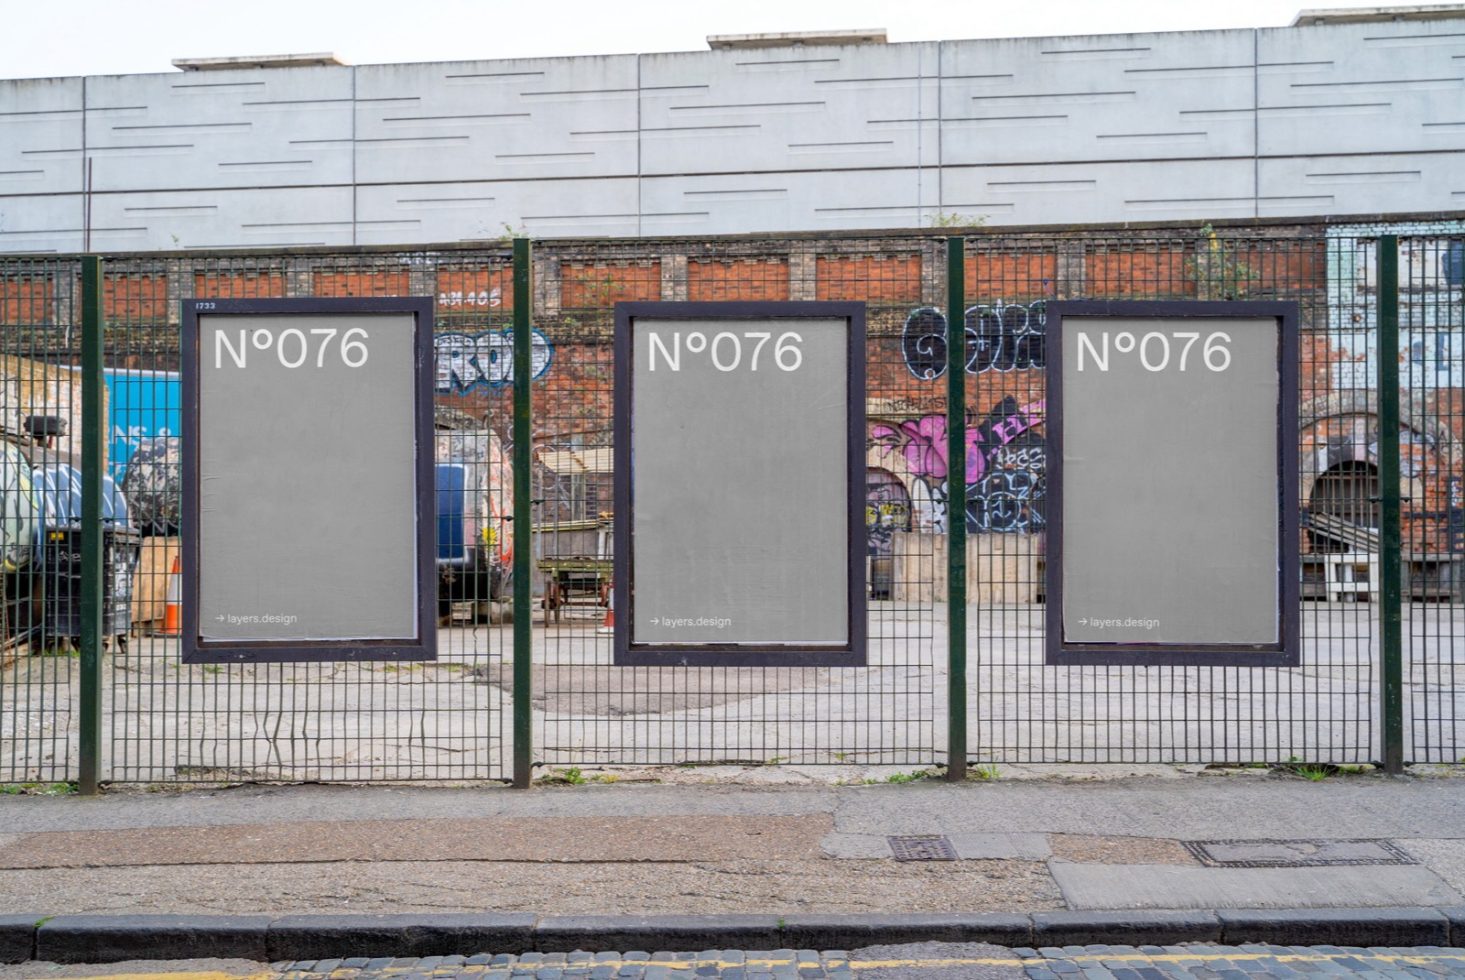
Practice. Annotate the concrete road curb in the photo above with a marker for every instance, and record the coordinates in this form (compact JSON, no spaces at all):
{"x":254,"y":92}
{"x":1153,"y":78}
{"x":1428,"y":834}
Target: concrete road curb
{"x":17,"y":938}
{"x":1119,"y":928}
{"x":110,"y":939}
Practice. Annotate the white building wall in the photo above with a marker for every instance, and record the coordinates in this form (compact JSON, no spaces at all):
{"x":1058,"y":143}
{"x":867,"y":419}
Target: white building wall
{"x":1191,"y":126}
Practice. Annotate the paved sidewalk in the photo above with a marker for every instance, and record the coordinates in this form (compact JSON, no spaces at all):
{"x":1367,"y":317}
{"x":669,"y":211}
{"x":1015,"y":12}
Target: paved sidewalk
{"x":1268,"y":846}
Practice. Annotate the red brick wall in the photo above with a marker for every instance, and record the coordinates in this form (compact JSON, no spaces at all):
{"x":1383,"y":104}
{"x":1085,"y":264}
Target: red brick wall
{"x":27,"y":301}
{"x":743,"y":279}
{"x":394,"y":283}
{"x":239,"y":285}
{"x":874,"y":279}
{"x":474,"y":291}
{"x":1125,"y":272}
{"x":1011,"y":278}
{"x":135,"y":298}
{"x":585,"y":287}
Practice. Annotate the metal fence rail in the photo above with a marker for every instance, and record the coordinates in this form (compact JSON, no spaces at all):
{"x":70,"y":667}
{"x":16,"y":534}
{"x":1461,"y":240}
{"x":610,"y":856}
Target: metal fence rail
{"x":166,"y":722}
{"x":161,"y":721}
{"x":1026,"y":712}
{"x":1431,"y":358}
{"x":592,"y":712}
{"x":40,"y":488}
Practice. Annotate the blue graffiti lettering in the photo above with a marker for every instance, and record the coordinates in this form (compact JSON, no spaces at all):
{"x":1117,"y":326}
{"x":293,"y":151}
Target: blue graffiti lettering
{"x":467,"y":361}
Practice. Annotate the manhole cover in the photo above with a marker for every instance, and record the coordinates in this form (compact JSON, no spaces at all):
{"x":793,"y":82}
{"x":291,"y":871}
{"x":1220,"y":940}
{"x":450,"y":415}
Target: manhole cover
{"x":925,"y":848}
{"x":1295,"y":853}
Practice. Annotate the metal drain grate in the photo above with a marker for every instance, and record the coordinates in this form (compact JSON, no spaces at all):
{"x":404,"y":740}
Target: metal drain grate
{"x":1295,"y":853}
{"x":922,"y":848}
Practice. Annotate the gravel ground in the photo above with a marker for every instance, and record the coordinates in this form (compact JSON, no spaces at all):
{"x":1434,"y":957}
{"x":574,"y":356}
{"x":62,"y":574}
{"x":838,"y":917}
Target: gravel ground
{"x":552,"y":889}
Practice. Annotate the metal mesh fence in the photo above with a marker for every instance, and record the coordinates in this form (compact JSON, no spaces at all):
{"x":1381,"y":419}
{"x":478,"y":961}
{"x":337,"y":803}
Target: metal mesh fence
{"x":1431,"y":378}
{"x":445,"y":720}
{"x":1024,"y":711}
{"x":168,"y":722}
{"x":590,"y":711}
{"x":40,"y":490}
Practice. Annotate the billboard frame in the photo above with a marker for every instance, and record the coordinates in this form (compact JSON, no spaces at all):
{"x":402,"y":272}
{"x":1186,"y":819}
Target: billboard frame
{"x":422,"y":647}
{"x":853,"y":652}
{"x":1286,"y":651}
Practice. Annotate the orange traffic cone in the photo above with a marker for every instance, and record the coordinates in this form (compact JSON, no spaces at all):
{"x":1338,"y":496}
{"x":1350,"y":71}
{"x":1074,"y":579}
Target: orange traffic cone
{"x":609,"y":626}
{"x":172,"y":604}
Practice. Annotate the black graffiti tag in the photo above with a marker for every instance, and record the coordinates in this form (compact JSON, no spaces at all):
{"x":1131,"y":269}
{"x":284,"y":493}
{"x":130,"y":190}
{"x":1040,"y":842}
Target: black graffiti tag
{"x":999,"y":337}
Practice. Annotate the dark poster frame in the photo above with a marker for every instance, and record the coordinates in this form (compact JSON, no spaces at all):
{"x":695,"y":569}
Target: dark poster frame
{"x":195,"y":649}
{"x":852,"y":653}
{"x":1286,"y":651}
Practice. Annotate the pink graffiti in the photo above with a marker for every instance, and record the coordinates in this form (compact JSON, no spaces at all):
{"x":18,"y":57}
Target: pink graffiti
{"x":923,"y":441}
{"x":923,"y":444}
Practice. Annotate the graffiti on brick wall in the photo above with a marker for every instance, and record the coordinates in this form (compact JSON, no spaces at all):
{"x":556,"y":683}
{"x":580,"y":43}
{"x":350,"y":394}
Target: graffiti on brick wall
{"x":1431,"y":329}
{"x":458,"y":298}
{"x":1456,"y":515}
{"x":887,"y":510}
{"x":999,"y":337}
{"x":1005,"y":472}
{"x":1343,"y":446}
{"x":466,"y":361}
{"x":1429,"y":358}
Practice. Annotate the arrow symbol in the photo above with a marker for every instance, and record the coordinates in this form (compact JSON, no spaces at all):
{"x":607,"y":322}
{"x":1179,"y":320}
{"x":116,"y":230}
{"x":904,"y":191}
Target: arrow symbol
{"x":1084,"y":621}
{"x":656,"y":620}
{"x":219,"y":618}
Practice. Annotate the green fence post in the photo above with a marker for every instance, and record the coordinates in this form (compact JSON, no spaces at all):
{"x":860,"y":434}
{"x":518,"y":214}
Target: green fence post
{"x":1391,"y":614}
{"x":956,"y":734}
{"x":523,"y":517}
{"x":89,"y":752}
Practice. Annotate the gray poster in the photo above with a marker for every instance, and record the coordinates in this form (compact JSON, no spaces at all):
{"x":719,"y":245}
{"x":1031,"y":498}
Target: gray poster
{"x":308,"y":497}
{"x":740,"y":467}
{"x":1170,"y":499}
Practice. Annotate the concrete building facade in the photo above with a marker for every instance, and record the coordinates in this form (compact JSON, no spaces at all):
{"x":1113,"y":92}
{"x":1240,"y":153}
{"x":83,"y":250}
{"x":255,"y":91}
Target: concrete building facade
{"x":1330,"y":117}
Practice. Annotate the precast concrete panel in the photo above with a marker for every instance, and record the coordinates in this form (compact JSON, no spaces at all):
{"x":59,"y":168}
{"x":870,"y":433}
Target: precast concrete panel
{"x":52,"y":223}
{"x":244,"y":128}
{"x":837,"y":108}
{"x":1099,"y":129}
{"x":485,"y":210}
{"x":261,"y":217}
{"x":1096,"y":192}
{"x":1117,"y":97}
{"x":1361,"y":88}
{"x":548,"y":117}
{"x":1373,"y":184}
{"x":736,"y":203}
{"x":40,"y":139}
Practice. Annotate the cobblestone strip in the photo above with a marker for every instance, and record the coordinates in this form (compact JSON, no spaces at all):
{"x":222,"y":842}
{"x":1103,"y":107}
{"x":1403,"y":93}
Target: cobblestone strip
{"x":784,"y":964}
{"x":1190,"y":962}
{"x":1247,"y":962}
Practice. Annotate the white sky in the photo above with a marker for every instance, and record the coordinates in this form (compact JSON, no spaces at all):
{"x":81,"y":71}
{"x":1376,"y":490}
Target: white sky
{"x":102,"y":37}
